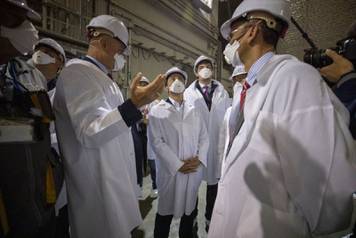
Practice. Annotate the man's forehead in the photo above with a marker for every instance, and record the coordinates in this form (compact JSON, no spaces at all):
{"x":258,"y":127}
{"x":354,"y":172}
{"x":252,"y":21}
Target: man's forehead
{"x":204,"y":63}
{"x":176,"y":75}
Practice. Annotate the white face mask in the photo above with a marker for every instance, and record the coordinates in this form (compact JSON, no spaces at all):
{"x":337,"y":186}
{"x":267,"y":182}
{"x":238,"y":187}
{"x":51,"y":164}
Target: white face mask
{"x":177,"y":87}
{"x":232,"y":55}
{"x":42,"y":58}
{"x":205,"y":73}
{"x":22,"y":37}
{"x":119,"y":62}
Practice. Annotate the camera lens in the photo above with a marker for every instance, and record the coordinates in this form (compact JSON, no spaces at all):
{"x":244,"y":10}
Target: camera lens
{"x":317,"y":58}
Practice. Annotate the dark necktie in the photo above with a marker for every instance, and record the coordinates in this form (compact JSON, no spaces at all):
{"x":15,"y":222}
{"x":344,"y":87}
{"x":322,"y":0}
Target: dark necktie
{"x":206,"y":91}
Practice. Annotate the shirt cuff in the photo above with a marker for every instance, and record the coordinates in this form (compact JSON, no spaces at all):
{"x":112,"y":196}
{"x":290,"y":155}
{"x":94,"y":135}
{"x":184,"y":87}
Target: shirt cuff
{"x":129,"y":113}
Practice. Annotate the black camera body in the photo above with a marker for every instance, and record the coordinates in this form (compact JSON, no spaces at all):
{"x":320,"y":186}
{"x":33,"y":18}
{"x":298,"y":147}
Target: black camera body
{"x":318,"y":58}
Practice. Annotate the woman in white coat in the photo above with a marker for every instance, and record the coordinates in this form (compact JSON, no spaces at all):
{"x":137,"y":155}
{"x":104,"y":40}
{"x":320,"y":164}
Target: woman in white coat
{"x":93,"y":127}
{"x":180,"y":142}
{"x":212,"y":100}
{"x":290,"y":169}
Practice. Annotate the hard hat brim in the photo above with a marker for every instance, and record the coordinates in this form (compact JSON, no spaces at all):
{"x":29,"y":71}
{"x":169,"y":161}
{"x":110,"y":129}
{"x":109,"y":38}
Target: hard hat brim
{"x":32,"y":15}
{"x":225,"y":28}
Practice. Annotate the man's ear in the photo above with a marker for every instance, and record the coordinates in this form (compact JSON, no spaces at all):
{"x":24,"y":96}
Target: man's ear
{"x":252,"y":34}
{"x":103,"y":41}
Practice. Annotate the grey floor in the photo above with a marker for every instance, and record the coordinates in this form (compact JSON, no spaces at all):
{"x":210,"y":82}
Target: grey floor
{"x":148,"y":209}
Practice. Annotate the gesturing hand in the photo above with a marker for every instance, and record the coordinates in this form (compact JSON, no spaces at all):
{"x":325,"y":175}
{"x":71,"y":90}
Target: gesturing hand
{"x":142,"y":95}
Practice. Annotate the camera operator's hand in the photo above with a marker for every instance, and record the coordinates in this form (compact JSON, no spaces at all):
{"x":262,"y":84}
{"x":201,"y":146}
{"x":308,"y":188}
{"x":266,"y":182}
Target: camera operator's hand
{"x":339,"y":67}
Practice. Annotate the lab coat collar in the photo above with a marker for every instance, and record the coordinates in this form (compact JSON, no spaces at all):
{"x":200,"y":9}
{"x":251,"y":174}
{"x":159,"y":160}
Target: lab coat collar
{"x":90,"y":65}
{"x":97,"y":63}
{"x":187,"y":107}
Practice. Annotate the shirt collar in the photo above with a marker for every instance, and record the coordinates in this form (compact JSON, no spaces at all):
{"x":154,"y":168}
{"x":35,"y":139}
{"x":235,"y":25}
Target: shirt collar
{"x":257,"y":66}
{"x":203,"y":85}
{"x":175,"y":103}
{"x":99,"y":64}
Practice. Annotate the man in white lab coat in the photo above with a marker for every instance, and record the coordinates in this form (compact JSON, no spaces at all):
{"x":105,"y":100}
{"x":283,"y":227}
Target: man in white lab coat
{"x":180,"y":143}
{"x":93,"y":127}
{"x":210,"y":97}
{"x":288,"y":169}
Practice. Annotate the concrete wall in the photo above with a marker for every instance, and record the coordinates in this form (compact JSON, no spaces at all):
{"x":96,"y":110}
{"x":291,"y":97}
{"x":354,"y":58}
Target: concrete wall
{"x":326,"y":21}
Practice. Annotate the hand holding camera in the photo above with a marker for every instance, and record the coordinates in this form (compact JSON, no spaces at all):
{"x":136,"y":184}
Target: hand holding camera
{"x":338,"y":68}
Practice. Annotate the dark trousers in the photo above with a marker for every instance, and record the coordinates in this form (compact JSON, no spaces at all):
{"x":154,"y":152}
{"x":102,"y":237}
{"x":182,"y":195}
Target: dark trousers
{"x":140,"y":145}
{"x":62,"y":223}
{"x":163,"y":224}
{"x":45,"y":231}
{"x":152,"y":165}
{"x":211,"y":193}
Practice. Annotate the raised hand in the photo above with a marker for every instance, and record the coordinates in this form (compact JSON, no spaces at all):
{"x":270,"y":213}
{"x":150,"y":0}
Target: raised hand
{"x":144,"y":95}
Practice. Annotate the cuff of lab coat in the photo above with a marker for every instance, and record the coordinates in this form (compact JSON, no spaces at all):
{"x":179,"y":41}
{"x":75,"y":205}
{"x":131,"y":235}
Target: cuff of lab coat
{"x":129,"y":113}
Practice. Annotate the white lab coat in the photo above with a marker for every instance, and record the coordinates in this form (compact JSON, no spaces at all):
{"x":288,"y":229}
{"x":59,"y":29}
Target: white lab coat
{"x":176,"y":136}
{"x":62,"y":196}
{"x":213,"y":120}
{"x":98,"y":153}
{"x":150,"y":154}
{"x":289,"y":172}
{"x":224,"y":135}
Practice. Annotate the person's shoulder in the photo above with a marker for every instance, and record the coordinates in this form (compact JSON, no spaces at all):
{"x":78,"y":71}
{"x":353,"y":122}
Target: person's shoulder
{"x":77,"y":70}
{"x":293,"y":65}
{"x":76,"y":65}
{"x":155,"y":109}
{"x":220,"y":88}
{"x":292,"y":70}
{"x":191,"y":86}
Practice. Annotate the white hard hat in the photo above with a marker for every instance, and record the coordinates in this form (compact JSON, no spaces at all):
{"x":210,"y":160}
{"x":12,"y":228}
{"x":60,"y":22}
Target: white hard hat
{"x":53,"y":45}
{"x":114,"y":25}
{"x":144,"y":79}
{"x":277,"y":8}
{"x":238,"y":70}
{"x":200,"y":59}
{"x":179,"y":71}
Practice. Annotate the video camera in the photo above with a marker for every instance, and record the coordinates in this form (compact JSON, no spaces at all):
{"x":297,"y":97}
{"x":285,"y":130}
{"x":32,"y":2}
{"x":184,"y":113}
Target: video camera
{"x":317,"y":57}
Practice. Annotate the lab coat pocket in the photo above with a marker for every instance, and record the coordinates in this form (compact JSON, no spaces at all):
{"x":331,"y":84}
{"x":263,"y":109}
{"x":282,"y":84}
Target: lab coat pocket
{"x":260,"y":220}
